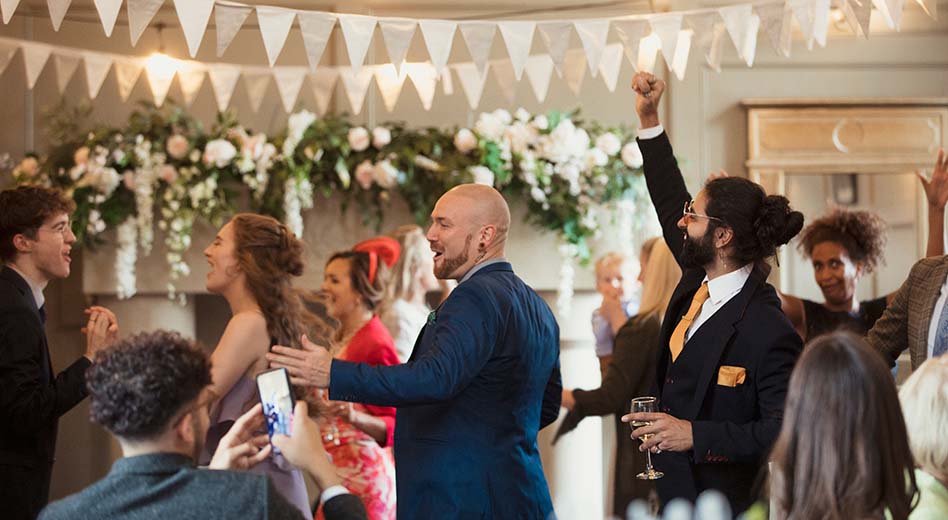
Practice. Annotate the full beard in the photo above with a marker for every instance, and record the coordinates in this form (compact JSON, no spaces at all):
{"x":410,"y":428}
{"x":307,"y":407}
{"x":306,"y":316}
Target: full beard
{"x":696,"y":253}
{"x":450,"y":265}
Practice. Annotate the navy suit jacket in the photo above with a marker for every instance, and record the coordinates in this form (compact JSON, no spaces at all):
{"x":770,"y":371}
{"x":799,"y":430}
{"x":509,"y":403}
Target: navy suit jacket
{"x":483,"y":379}
{"x":733,"y":425}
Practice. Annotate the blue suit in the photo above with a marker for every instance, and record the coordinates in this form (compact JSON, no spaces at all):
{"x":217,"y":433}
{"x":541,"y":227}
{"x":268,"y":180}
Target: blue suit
{"x":484,"y":378}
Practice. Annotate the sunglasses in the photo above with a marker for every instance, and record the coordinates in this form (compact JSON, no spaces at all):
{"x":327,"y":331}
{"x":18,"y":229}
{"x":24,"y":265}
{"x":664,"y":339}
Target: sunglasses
{"x":689,"y":212}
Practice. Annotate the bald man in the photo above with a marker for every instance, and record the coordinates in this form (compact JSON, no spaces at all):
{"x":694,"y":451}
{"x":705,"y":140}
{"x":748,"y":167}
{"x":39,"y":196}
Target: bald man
{"x":482,"y":380}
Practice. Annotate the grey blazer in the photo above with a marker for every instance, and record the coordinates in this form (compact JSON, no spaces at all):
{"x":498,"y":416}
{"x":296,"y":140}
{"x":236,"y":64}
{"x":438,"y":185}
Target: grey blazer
{"x":168,"y":486}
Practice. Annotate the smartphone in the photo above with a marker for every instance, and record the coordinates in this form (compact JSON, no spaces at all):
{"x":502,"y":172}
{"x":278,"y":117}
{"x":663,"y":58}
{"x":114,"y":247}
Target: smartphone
{"x":276,"y":395}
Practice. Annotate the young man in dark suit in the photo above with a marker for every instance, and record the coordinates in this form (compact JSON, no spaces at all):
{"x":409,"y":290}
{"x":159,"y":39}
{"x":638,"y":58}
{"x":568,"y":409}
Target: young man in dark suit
{"x":35,"y":245}
{"x":152,"y":391}
{"x":726,"y":348}
{"x":482,"y":380}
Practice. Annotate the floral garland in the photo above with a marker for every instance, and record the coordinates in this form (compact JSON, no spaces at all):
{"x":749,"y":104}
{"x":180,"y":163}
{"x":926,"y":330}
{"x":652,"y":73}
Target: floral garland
{"x":561,"y":167}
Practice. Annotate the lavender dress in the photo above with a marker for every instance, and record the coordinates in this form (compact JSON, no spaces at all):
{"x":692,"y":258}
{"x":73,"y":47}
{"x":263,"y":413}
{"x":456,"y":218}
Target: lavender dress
{"x":287,"y":479}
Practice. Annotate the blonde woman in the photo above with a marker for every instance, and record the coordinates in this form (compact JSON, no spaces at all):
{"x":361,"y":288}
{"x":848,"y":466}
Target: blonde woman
{"x":630,"y":374}
{"x":405,"y":309}
{"x":924,"y":398}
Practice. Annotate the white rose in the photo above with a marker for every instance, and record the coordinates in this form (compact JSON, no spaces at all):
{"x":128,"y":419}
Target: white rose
{"x":541,"y":122}
{"x":118,"y":156}
{"x":364,"y":174}
{"x":465,"y":140}
{"x":252,"y":146}
{"x":537,"y":194}
{"x":358,"y":138}
{"x":609,"y":143}
{"x":596,"y":157}
{"x":385,"y":174}
{"x":195,"y":156}
{"x":490,"y":126}
{"x":522,"y":115}
{"x":631,"y":155}
{"x":219,"y":153}
{"x":503,"y":116}
{"x":381,"y":136}
{"x":482,"y":175}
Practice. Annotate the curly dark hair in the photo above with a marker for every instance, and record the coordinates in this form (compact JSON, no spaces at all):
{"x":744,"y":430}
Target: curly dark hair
{"x":141,"y":383}
{"x":861,"y":233}
{"x":24,"y":209}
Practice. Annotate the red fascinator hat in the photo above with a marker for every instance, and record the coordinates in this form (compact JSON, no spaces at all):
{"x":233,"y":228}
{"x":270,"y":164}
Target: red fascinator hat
{"x":384,"y":248}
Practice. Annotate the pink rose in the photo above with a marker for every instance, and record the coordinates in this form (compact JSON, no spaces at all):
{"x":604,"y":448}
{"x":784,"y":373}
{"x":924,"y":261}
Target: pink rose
{"x":81,"y":156}
{"x":358,"y":138}
{"x":364,"y":174}
{"x":128,"y":179}
{"x":168,"y":173}
{"x":178,"y":146}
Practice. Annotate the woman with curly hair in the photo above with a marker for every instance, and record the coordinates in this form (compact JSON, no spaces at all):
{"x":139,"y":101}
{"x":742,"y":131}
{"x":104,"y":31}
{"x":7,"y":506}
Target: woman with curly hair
{"x":253,"y":260}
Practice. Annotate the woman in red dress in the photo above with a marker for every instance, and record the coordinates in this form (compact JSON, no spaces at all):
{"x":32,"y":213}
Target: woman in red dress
{"x":359,"y":437}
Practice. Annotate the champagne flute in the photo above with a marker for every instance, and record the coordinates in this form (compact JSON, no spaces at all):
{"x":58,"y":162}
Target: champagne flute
{"x":644,"y":405}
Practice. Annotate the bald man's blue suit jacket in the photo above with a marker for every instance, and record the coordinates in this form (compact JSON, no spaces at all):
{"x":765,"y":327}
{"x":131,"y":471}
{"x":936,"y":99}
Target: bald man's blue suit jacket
{"x":483,"y":379}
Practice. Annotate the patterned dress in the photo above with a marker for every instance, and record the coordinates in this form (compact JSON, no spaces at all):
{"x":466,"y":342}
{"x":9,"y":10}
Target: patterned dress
{"x":366,"y":468}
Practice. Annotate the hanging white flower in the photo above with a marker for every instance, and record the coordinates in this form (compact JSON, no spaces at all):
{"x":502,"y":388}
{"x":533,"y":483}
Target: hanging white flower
{"x":126,"y":255}
{"x":537,"y":194}
{"x":631,"y":155}
{"x":219,"y":153}
{"x":297,"y":196}
{"x":358,"y":139}
{"x":101,"y":179}
{"x":609,"y":143}
{"x":96,"y":225}
{"x":564,"y":294}
{"x":482,"y":175}
{"x":297,"y":124}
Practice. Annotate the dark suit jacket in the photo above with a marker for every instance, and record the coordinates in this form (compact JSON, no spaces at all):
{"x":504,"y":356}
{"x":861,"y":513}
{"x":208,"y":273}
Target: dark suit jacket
{"x":630,"y":374}
{"x":31,"y":400}
{"x":734,"y":426}
{"x":905,"y":322}
{"x":482,"y":380}
{"x":168,"y":486}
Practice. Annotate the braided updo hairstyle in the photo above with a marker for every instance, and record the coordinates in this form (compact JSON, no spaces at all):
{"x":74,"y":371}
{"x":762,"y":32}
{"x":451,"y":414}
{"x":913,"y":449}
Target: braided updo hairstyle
{"x":861,"y":233}
{"x":270,"y":256}
{"x":761,"y":223}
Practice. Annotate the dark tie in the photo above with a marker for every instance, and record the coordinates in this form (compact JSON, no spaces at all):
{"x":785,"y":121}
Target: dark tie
{"x":42,"y":313}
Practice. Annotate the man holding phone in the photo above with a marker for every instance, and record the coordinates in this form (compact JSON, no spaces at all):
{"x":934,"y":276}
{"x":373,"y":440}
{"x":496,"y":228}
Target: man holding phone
{"x":152,"y":392}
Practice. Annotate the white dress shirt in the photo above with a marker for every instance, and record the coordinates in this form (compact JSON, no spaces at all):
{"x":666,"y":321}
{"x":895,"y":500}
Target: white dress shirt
{"x":332,"y":492}
{"x":720,"y":291}
{"x":936,"y":314}
{"x":651,"y":132}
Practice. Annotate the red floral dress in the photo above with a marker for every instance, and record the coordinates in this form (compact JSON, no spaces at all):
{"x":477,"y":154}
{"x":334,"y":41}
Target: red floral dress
{"x":367,"y":469}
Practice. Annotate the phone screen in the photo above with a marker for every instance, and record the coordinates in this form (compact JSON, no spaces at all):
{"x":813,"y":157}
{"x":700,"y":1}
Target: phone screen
{"x":277,"y":398}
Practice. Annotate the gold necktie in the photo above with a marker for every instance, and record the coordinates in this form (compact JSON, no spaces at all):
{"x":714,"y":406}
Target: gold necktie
{"x":677,"y":341}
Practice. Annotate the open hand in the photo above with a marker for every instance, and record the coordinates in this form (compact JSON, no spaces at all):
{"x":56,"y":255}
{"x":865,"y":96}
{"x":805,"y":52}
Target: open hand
{"x":936,"y":188}
{"x":308,"y":366}
{"x":241,"y":449}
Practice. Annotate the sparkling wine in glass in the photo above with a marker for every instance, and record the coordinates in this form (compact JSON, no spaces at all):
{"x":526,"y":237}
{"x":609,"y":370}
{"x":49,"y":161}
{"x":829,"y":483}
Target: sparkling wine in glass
{"x":640,"y":405}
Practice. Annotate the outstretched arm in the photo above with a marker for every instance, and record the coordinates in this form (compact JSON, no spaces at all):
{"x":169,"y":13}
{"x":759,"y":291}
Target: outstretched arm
{"x":936,"y":191}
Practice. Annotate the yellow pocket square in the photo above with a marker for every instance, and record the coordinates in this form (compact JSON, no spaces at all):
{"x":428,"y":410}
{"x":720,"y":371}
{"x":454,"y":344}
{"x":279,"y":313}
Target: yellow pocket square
{"x":731,"y":376}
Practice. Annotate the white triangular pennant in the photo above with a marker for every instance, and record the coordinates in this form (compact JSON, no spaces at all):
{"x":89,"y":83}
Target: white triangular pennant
{"x":439,"y":36}
{"x":66,"y":65}
{"x":667,"y":26}
{"x":630,"y":33}
{"x":7,"y":50}
{"x":190,"y":79}
{"x":140,"y":13}
{"x":8,"y":7}
{"x":159,"y":80}
{"x":736,"y":20}
{"x":891,"y":11}
{"x":390,"y":84}
{"x":275,"y":24}
{"x":472,"y":82}
{"x":749,"y":50}
{"x":539,"y":71}
{"x":803,"y":12}
{"x":716,"y":48}
{"x":775,"y":20}
{"x":821,"y":21}
{"x":223,"y":81}
{"x":108,"y":13}
{"x":228,"y":19}
{"x":610,"y":65}
{"x":929,"y":6}
{"x":479,"y":37}
{"x":574,"y":70}
{"x":126,"y":75}
{"x":648,"y":52}
{"x":397,"y":35}
{"x":194,"y":15}
{"x":504,"y":74}
{"x":289,"y":81}
{"x":35,"y":56}
{"x":96,"y":67}
{"x":357,"y":31}
{"x":518,"y":36}
{"x":593,"y":35}
{"x":447,"y":83}
{"x":57,"y":11}
{"x":556,"y":37}
{"x":356,"y":85}
{"x":256,"y":84}
{"x":424,"y":77}
{"x":682,"y":50}
{"x":858,"y":12}
{"x":323,"y":81}
{"x":316,"y":28}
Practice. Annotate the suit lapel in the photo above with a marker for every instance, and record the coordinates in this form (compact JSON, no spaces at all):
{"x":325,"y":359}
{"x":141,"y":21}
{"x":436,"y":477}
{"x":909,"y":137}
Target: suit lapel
{"x":932,"y":290}
{"x":25,"y":293}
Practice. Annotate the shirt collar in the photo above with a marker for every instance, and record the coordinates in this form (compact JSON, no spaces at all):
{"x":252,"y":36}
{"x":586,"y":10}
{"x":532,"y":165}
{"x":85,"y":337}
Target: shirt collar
{"x":726,"y":285}
{"x":35,"y":288}
{"x":480,"y":266}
